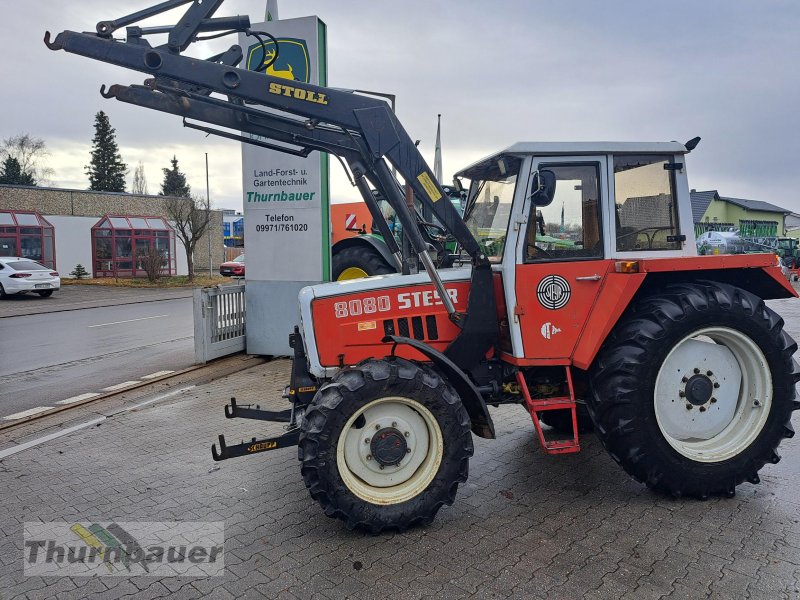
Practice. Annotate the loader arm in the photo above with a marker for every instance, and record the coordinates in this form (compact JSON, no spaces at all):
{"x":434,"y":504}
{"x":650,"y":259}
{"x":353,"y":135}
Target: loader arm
{"x":302,"y":118}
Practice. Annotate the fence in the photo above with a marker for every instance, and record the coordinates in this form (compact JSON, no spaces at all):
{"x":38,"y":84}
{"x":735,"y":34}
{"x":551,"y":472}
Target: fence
{"x":219,"y":322}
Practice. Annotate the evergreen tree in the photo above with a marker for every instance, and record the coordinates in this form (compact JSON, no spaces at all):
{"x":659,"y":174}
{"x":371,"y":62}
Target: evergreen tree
{"x":106,"y":171}
{"x":11,"y":173}
{"x":174,"y":183}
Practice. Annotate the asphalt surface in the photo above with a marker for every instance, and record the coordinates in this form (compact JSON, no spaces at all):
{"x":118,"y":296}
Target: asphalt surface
{"x":45,"y":358}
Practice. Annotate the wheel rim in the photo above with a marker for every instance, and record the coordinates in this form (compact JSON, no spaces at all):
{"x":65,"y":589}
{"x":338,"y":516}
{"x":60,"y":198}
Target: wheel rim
{"x":390,"y":450}
{"x":713,"y":394}
{"x":352,"y":273}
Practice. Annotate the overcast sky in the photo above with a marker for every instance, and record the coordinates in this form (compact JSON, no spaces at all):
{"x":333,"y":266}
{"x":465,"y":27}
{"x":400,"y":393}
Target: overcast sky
{"x":499,"y":72}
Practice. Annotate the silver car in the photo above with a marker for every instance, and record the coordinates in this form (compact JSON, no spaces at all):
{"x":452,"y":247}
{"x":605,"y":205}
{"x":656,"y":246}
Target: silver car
{"x":20,"y":275}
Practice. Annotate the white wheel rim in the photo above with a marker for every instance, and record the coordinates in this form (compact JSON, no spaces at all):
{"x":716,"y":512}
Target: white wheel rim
{"x":418,"y":465}
{"x":740,"y":400}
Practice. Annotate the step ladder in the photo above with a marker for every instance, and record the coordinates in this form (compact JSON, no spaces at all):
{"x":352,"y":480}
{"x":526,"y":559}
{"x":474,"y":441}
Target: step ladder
{"x":539,"y":405}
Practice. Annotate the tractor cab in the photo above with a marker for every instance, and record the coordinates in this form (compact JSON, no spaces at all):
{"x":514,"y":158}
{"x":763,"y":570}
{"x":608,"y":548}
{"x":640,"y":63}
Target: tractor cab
{"x":555,"y":249}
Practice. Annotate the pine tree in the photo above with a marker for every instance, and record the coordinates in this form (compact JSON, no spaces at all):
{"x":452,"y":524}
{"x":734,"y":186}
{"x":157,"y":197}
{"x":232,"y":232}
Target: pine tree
{"x":106,"y":171}
{"x":174,"y":183}
{"x":79,"y":272}
{"x":11,"y":173}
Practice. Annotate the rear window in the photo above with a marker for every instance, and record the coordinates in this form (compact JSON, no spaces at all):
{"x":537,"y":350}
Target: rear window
{"x":27,"y":265}
{"x":239,"y":259}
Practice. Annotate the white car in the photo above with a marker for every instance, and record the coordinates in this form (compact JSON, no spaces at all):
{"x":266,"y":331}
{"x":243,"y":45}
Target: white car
{"x":20,"y":275}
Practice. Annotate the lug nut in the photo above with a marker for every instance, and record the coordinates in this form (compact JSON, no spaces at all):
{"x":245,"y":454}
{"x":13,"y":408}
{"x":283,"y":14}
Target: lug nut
{"x":682,"y":394}
{"x":716,"y":384}
{"x":394,"y":424}
{"x":688,"y":407}
{"x":408,"y":450}
{"x":369,"y":456}
{"x":381,"y":467}
{"x":407,"y":433}
{"x":366,"y":440}
{"x":377,"y":427}
{"x":713,"y":400}
{"x":684,"y":380}
{"x":702,"y":409}
{"x":709,"y":373}
{"x":696,"y":371}
{"x":756,"y":403}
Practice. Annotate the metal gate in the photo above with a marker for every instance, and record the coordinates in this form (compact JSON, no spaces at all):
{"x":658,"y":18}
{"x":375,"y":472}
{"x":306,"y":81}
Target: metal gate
{"x":219,"y":322}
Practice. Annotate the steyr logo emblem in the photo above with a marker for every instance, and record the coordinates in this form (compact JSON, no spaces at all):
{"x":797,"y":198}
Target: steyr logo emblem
{"x":292,"y":64}
{"x":549,"y":330}
{"x":553,"y":292}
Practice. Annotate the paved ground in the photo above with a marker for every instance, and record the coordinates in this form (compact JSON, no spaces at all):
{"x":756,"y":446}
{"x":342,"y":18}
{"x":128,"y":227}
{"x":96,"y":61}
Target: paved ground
{"x":51,"y":357}
{"x":525,"y":525}
{"x":77,"y":297}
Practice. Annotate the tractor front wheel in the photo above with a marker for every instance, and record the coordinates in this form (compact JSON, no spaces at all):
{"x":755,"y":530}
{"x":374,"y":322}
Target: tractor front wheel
{"x":355,"y":262}
{"x":385,"y":445}
{"x":694,"y":390}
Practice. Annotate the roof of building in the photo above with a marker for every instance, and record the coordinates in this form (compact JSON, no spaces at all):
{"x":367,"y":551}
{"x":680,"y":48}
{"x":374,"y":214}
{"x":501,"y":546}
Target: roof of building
{"x":700,"y":202}
{"x":755,"y":205}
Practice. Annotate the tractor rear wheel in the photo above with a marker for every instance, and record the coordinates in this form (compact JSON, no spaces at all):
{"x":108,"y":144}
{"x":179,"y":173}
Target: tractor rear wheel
{"x":694,"y":389}
{"x":355,"y":262}
{"x":385,"y":444}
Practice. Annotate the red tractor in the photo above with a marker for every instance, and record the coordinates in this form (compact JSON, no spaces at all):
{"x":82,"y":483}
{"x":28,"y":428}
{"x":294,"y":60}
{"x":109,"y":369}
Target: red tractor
{"x":580,"y":298}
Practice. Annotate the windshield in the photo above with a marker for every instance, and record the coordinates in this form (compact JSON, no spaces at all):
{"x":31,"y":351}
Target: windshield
{"x":27,"y":265}
{"x":490,"y":209}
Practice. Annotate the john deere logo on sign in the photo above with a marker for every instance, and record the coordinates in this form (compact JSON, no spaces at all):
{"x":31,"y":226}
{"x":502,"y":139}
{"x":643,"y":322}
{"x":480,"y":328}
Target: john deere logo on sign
{"x":292,"y":64}
{"x":553,"y":292}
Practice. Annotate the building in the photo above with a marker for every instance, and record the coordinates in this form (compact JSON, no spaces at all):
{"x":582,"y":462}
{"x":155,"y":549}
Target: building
{"x":233,"y":228}
{"x":102,"y":231}
{"x":752,"y":218}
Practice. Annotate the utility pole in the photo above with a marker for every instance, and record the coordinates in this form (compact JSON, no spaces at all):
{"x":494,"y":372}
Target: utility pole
{"x":208,"y":220}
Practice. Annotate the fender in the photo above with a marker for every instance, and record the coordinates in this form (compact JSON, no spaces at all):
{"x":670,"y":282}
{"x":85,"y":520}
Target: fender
{"x":369,"y":240}
{"x":482,"y":424}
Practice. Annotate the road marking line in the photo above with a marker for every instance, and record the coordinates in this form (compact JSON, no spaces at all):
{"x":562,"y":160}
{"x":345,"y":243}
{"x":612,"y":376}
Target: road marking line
{"x":157,"y":374}
{"x":119,"y":386}
{"x":159,"y":398}
{"x":27,"y":413}
{"x":78,"y":398}
{"x":47,"y":438}
{"x":128,"y":321}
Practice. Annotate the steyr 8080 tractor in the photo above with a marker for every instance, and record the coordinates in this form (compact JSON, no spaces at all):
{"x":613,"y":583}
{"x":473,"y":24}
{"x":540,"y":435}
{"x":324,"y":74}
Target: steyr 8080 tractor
{"x":580,"y":297}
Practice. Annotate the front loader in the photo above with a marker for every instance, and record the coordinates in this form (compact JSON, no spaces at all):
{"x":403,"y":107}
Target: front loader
{"x":579,"y":297}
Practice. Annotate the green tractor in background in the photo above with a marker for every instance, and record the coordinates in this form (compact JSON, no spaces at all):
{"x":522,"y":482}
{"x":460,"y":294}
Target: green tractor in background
{"x":367,"y":254}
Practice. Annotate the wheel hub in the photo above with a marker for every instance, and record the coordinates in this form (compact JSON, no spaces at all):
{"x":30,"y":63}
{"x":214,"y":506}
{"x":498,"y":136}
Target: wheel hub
{"x":699,"y":390}
{"x":388,"y":446}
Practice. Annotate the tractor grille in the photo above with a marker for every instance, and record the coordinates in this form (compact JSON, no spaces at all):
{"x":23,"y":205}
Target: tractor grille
{"x":422,"y":330}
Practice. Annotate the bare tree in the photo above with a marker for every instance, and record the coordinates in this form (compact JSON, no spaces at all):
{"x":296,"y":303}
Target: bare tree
{"x":31,"y":153}
{"x":139,"y":185}
{"x":152,"y":262}
{"x":191,"y":218}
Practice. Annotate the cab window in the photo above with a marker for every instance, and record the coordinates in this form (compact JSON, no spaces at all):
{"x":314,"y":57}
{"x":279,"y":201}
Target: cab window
{"x":645,"y":207}
{"x":569,"y":227}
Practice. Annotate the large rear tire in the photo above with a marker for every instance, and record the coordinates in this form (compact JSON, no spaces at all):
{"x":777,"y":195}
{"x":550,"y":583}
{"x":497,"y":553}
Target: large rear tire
{"x":359,"y":261}
{"x":385,"y":445}
{"x":694,"y":389}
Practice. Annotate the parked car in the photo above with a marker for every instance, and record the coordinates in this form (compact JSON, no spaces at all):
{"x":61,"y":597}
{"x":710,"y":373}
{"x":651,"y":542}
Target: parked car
{"x":233,"y":268}
{"x":20,"y":275}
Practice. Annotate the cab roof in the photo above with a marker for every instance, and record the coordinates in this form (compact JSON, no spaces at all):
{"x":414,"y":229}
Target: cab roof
{"x":575,"y":149}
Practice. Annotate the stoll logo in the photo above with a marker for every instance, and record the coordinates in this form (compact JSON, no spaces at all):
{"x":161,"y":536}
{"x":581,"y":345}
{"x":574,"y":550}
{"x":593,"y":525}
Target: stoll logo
{"x":139,"y":548}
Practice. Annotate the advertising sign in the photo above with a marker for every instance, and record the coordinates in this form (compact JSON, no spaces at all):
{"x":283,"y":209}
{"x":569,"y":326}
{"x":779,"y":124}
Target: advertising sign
{"x":286,"y":198}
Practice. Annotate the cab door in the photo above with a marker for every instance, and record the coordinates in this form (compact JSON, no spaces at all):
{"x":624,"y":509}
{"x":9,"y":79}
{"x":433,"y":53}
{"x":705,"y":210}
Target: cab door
{"x":560,"y":263}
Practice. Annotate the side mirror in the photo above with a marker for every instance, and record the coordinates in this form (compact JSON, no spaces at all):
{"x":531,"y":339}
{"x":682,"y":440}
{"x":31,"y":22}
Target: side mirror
{"x":544,"y":187}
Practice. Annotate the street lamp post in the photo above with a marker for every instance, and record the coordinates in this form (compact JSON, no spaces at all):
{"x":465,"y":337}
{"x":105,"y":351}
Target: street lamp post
{"x":208,"y":220}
